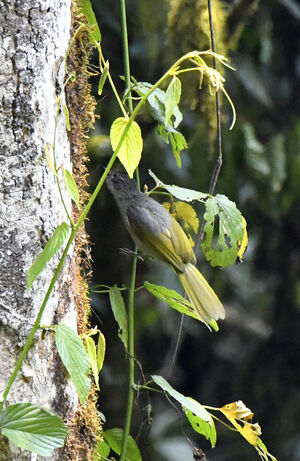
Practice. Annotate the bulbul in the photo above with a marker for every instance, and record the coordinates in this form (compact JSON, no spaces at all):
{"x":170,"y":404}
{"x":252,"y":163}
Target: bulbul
{"x":157,"y":234}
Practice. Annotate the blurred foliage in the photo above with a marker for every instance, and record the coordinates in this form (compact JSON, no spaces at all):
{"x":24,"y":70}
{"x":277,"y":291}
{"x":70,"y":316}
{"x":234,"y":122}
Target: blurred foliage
{"x":256,"y":354}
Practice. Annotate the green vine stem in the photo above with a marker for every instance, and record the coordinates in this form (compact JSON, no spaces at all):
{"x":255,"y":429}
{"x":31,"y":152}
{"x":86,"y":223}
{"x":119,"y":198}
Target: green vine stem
{"x":131,"y":363}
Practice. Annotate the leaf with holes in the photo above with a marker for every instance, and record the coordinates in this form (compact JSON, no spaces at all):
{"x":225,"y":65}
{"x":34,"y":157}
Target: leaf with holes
{"x":130,"y":150}
{"x":201,"y":426}
{"x":223,"y":231}
{"x":184,"y":213}
{"x":195,"y":412}
{"x":33,"y":429}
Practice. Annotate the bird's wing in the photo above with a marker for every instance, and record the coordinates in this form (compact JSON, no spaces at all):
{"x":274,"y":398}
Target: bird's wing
{"x":158,"y":234}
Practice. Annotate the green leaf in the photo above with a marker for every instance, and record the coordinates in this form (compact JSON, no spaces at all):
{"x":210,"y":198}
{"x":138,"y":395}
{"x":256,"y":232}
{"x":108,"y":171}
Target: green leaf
{"x":114,"y":438}
{"x":120,"y":314}
{"x":91,"y":351}
{"x":33,"y":429}
{"x":101,"y":346}
{"x":52,"y":246}
{"x":101,"y":450}
{"x":75,"y":358}
{"x":67,"y":118}
{"x":103,"y":78}
{"x":201,"y":426}
{"x":173,"y":299}
{"x":71,"y":187}
{"x":223,"y":231}
{"x":188,"y":195}
{"x":263,"y":451}
{"x":163,"y":105}
{"x":178,"y":143}
{"x":131,"y":149}
{"x":156,"y":102}
{"x":172,"y":98}
{"x":180,"y":304}
{"x":87,"y":10}
{"x":191,"y":407}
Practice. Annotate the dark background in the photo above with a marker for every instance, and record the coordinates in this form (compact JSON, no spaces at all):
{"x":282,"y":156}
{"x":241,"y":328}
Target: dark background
{"x":255,"y":357}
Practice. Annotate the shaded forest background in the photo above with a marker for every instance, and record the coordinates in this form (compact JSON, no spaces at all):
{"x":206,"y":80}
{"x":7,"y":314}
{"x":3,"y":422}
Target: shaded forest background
{"x":255,"y":356}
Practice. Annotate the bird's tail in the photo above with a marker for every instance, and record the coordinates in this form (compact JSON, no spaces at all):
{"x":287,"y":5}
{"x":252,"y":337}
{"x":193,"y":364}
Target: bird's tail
{"x":201,"y":295}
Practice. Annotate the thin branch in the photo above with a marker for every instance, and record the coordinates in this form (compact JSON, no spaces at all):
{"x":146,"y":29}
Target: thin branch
{"x":219,"y":160}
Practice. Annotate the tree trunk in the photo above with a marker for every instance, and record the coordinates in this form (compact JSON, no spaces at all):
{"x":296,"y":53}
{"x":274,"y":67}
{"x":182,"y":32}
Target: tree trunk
{"x":33,"y":41}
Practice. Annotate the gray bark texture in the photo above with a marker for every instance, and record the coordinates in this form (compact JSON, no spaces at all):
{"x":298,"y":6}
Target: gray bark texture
{"x":34,"y":36}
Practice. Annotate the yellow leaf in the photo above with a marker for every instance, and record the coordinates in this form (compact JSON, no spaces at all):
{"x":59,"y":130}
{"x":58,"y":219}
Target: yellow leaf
{"x":49,"y":160}
{"x":131,"y":148}
{"x":95,"y":352}
{"x":184,"y":212}
{"x":91,"y":350}
{"x":240,"y":417}
{"x":237,"y":410}
{"x":101,"y":346}
{"x":242,"y":245}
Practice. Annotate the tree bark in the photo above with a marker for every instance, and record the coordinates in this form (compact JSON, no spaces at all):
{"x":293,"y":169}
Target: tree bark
{"x":34,"y":36}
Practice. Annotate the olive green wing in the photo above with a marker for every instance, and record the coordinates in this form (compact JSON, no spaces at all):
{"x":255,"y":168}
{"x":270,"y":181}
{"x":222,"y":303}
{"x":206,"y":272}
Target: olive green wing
{"x":159,"y":235}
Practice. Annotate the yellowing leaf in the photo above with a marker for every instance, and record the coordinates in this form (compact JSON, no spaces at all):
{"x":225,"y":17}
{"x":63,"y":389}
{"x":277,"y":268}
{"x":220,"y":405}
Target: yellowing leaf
{"x":184,"y":212}
{"x":130,"y":150}
{"x":240,"y":417}
{"x":49,"y":160}
{"x":100,"y":350}
{"x":67,"y":117}
{"x":242,"y":245}
{"x":91,"y":350}
{"x":237,"y":410}
{"x":96,"y":353}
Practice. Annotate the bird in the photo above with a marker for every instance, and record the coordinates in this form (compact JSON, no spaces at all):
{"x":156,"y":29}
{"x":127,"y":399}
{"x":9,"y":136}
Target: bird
{"x":158,"y":235}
